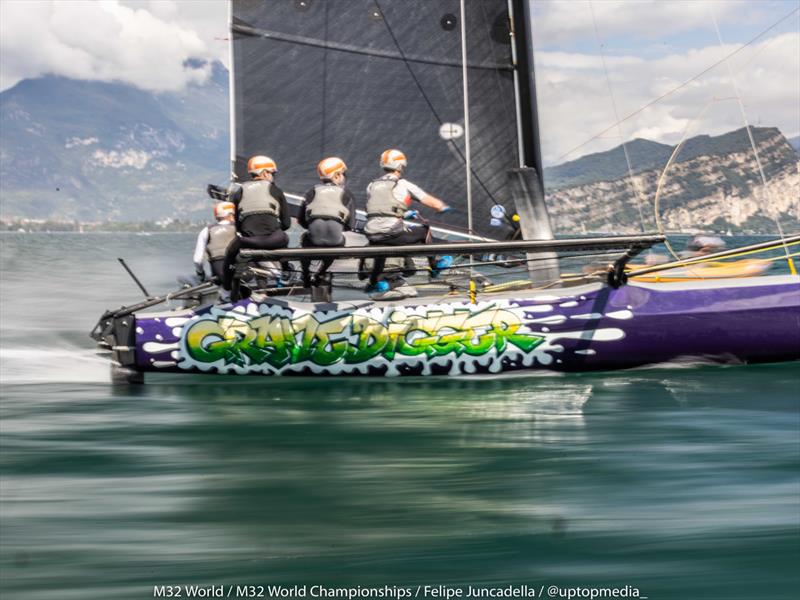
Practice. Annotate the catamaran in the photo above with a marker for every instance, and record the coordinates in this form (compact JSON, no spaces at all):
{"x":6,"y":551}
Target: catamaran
{"x":452,"y":84}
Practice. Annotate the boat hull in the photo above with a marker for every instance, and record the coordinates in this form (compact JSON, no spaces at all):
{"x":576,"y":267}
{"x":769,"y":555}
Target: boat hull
{"x":749,"y":267}
{"x":580,"y":329}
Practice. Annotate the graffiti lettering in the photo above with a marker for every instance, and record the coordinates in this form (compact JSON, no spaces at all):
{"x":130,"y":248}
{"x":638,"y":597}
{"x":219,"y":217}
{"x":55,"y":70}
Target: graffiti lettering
{"x":354,"y":338}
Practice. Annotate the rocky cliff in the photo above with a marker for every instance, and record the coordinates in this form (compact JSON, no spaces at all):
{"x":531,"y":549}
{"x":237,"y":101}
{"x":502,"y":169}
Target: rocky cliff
{"x":714,"y":185}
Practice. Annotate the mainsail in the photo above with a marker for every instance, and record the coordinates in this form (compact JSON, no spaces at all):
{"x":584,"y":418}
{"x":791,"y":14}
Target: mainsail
{"x":351,"y":78}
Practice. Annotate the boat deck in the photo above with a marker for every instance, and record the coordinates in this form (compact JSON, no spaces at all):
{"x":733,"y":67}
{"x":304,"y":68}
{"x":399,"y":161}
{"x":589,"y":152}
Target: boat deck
{"x":530,"y":296}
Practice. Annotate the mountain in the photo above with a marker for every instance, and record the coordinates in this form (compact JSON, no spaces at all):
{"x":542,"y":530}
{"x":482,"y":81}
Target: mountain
{"x":609,"y":165}
{"x":91,"y":150}
{"x":714,"y":184}
{"x":795,"y":142}
{"x":99,"y":151}
{"x":645,"y":154}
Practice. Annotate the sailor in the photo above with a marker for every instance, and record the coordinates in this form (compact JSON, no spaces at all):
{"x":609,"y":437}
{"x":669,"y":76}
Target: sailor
{"x":328,"y":210}
{"x":262,"y":214}
{"x":700,"y":245}
{"x":213,"y":241}
{"x":389,"y":199}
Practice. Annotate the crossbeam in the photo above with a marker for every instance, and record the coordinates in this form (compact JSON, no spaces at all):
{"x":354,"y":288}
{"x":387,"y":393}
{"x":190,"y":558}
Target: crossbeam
{"x":639,"y":242}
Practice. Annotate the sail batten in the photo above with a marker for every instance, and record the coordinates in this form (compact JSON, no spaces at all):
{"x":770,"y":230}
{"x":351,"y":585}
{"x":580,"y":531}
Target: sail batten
{"x":243,"y":29}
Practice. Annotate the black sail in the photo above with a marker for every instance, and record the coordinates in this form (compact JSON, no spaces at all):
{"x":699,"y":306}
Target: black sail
{"x":351,"y":78}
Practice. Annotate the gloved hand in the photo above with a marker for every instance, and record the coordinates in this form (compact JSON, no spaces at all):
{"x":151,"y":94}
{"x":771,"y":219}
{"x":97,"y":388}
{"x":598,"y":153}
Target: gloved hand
{"x":445,"y":209}
{"x":201,"y":274}
{"x":410,"y":214}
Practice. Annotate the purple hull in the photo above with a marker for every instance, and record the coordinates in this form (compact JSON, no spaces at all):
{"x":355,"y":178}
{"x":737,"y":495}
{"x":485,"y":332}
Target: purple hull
{"x":574,"y":329}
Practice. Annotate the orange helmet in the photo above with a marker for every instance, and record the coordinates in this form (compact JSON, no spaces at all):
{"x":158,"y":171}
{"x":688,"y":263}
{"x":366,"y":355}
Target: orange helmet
{"x":328,"y":167}
{"x":393,"y":159}
{"x":224,"y":209}
{"x":260,"y":163}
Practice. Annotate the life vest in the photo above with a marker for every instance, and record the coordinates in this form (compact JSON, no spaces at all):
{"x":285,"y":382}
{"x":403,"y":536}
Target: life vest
{"x":328,"y":203}
{"x":219,"y":238}
{"x":256,"y":200}
{"x":381,"y":201}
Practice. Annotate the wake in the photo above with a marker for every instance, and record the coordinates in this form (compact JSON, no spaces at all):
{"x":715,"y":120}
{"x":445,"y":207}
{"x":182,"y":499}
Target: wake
{"x":33,"y":365}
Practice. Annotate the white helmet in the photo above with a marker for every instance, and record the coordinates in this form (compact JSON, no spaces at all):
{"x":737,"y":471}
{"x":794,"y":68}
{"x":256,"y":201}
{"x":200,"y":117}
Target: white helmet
{"x":260,"y":163}
{"x":224,"y":209}
{"x":394,"y":160}
{"x":328,"y":167}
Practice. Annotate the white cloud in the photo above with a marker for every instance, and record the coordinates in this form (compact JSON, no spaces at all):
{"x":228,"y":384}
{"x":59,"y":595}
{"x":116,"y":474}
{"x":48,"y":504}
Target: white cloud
{"x":560,"y":21}
{"x":136,"y":159}
{"x":142,"y":43}
{"x":574,"y":101}
{"x":651,"y":46}
{"x":76,"y":141}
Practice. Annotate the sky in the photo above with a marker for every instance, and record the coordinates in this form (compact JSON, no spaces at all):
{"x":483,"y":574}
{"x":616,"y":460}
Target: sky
{"x":649,"y":47}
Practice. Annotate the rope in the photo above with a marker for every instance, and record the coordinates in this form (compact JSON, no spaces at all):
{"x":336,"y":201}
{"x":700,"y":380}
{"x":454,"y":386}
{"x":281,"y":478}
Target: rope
{"x":323,"y":119}
{"x":467,"y":151}
{"x":700,"y":260}
{"x":767,"y":191}
{"x":663,"y":176}
{"x":715,"y":257}
{"x":637,"y":192}
{"x":427,"y":100}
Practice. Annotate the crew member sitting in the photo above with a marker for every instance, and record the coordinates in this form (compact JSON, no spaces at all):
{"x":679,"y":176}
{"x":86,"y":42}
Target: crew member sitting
{"x":328,"y":210}
{"x":262,"y":214}
{"x":700,"y":245}
{"x":213,"y":241}
{"x":388,"y":201}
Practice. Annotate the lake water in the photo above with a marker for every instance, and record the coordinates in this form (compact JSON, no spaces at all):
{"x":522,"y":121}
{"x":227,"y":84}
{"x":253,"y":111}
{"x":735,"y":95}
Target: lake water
{"x":681,"y":482}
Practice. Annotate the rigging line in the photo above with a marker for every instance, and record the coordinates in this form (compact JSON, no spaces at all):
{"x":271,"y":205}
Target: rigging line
{"x":637,"y":192}
{"x":663,"y":176}
{"x":467,"y":152}
{"x":682,"y":85}
{"x":231,"y":98}
{"x":767,"y":191}
{"x":323,"y":120}
{"x":427,"y":100}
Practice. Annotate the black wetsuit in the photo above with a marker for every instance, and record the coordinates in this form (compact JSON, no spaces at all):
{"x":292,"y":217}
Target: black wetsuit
{"x":258,"y":231}
{"x":217,"y":268}
{"x":414,"y":235}
{"x":324,"y":232}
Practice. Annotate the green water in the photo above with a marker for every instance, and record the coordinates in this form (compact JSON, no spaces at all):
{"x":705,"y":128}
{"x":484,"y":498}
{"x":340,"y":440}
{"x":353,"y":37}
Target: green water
{"x":682,"y":482}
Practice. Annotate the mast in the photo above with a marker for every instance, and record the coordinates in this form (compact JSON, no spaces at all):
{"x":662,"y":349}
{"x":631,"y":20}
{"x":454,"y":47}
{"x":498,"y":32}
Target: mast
{"x":527,"y":181}
{"x":525,"y":87}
